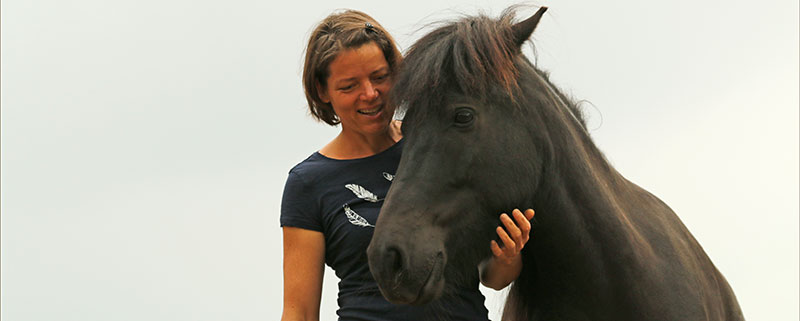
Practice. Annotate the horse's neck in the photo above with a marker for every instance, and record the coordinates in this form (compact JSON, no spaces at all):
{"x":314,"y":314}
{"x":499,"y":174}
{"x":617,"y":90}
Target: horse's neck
{"x":584,"y":213}
{"x":584,"y":201}
{"x":600,"y":241}
{"x":590,"y":195}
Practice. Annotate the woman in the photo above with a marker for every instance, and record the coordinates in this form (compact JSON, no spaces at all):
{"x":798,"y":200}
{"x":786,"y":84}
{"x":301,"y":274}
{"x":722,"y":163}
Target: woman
{"x":331,"y":199}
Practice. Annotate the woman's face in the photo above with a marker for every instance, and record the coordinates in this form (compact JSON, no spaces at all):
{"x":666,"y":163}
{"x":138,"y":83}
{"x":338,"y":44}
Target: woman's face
{"x":358,"y":82}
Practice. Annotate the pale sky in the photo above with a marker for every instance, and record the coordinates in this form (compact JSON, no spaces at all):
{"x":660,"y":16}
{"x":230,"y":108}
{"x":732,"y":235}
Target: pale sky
{"x":145,"y":143}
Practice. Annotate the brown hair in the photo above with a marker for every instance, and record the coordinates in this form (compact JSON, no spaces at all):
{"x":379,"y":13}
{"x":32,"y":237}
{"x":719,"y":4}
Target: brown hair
{"x":338,"y":32}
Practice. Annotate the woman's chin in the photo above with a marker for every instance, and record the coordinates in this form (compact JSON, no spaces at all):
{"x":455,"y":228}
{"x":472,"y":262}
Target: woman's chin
{"x":376,"y":128}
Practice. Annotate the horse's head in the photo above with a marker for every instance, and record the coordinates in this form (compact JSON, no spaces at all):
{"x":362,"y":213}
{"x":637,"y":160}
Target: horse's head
{"x":472,"y":151}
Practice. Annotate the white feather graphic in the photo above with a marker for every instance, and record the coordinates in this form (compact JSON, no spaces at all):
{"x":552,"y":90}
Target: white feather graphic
{"x":387,"y":176}
{"x":354,"y":218}
{"x":362,"y":193}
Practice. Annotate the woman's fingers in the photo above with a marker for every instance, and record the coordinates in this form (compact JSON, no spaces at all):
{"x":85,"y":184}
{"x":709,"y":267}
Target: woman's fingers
{"x":524,"y":226}
{"x":499,"y":253}
{"x":513,"y":230}
{"x":509,"y":245}
{"x":522,"y":221}
{"x":529,"y":214}
{"x":496,"y":250}
{"x":515,"y":235}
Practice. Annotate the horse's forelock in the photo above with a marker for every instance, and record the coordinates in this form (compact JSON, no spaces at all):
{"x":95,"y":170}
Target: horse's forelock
{"x":470,"y":56}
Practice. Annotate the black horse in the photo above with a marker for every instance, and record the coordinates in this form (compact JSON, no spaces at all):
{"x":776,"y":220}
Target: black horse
{"x":486,"y":131}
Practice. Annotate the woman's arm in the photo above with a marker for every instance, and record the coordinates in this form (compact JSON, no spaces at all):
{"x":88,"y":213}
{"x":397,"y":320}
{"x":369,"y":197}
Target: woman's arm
{"x":303,"y":268}
{"x":504,"y":267}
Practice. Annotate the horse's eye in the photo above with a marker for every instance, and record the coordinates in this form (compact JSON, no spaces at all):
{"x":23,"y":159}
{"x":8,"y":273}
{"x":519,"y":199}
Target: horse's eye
{"x":463,"y":117}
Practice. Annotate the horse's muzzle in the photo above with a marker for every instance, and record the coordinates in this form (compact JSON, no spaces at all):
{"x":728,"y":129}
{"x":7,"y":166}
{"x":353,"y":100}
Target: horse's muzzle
{"x":407,"y":277}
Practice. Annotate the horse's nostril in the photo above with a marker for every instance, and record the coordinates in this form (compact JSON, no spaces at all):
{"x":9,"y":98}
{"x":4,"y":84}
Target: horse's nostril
{"x":394,"y":258}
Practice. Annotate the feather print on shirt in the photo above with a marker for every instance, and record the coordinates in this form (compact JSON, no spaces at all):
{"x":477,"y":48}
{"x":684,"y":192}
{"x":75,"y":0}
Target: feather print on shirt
{"x":354,"y":218}
{"x":387,"y":176}
{"x":362,"y":193}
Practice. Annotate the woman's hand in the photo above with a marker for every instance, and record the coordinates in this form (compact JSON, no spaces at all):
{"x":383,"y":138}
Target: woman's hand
{"x":395,"y":129}
{"x":520,"y":234}
{"x":504,"y":267}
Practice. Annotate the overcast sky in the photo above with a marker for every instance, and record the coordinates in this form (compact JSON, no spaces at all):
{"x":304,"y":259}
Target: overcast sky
{"x":145,"y":143}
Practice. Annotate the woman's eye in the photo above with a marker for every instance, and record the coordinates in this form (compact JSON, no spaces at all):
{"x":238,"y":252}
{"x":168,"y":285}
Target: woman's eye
{"x":346,"y":88}
{"x":463,"y":117}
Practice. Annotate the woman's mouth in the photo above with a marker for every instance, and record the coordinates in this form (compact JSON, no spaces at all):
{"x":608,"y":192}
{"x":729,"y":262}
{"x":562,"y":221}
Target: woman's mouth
{"x":372,"y":111}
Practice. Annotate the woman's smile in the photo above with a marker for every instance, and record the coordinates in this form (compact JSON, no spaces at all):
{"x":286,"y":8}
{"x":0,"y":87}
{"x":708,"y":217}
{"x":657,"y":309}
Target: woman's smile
{"x":372,"y":111}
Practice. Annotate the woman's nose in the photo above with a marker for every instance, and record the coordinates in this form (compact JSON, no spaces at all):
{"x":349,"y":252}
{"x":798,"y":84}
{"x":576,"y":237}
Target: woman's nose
{"x":370,"y":92}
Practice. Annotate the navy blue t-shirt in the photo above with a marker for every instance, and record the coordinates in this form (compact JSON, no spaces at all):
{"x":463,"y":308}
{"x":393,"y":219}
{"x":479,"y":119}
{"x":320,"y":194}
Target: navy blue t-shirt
{"x":341,"y":199}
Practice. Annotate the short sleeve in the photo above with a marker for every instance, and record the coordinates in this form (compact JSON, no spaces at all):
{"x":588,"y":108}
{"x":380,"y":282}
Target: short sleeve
{"x":299,"y":207}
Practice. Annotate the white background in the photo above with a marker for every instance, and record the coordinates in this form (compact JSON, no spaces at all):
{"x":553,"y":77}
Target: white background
{"x":145,"y":143}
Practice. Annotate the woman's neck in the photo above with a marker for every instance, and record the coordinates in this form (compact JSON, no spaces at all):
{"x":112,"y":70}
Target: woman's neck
{"x":351,"y":145}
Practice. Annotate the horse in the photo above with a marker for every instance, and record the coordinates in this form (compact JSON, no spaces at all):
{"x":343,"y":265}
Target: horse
{"x":486,"y":131}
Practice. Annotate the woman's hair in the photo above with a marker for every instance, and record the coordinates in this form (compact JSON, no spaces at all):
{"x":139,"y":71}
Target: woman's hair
{"x":338,"y":32}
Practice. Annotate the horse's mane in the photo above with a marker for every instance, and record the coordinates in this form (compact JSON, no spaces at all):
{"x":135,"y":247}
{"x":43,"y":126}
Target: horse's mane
{"x":472,"y":55}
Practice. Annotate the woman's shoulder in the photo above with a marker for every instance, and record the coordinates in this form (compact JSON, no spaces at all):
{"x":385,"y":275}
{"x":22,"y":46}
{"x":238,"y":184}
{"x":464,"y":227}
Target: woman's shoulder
{"x":307,"y":167}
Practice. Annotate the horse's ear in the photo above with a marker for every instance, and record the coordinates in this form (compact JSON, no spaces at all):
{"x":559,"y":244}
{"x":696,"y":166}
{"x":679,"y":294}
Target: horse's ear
{"x":523,"y":30}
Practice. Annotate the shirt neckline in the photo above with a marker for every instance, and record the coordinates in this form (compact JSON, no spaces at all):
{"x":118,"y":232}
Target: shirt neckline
{"x":385,"y":151}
